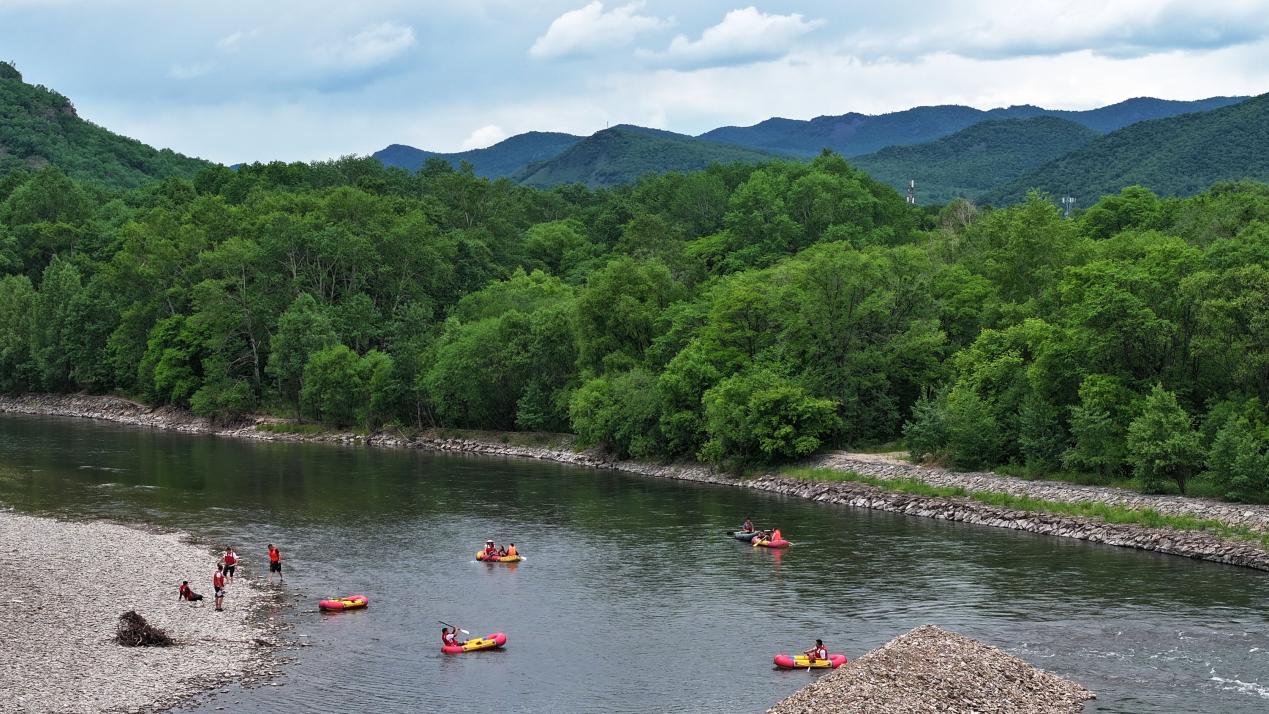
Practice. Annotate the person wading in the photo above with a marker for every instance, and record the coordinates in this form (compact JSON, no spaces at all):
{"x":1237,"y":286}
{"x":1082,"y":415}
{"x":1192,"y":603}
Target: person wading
{"x":275,"y":563}
{"x":230,"y":558}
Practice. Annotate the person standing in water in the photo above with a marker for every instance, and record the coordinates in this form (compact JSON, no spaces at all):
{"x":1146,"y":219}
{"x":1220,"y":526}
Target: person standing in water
{"x":218,"y":585}
{"x":275,"y":563}
{"x":230,"y":559}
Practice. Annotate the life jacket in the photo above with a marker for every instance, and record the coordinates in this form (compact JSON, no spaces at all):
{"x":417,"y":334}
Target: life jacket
{"x":185,"y":591}
{"x":821,"y":652}
{"x":230,"y":558}
{"x":491,"y":552}
{"x":275,"y":556}
{"x":448,"y":638}
{"x":511,"y":552}
{"x":218,"y":580}
{"x":775,"y":535}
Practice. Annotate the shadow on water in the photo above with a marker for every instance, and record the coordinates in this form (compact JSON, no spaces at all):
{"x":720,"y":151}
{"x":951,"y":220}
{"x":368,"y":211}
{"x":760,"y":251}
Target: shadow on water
{"x":631,"y":599}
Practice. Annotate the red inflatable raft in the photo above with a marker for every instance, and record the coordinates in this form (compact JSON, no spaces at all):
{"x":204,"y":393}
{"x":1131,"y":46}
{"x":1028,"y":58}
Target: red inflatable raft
{"x":475,"y":644}
{"x":784,"y":661}
{"x":782,"y":543}
{"x":352,"y":602}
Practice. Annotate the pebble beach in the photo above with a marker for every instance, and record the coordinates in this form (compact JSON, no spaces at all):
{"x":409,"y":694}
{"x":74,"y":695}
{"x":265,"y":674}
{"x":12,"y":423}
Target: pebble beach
{"x":63,"y":588}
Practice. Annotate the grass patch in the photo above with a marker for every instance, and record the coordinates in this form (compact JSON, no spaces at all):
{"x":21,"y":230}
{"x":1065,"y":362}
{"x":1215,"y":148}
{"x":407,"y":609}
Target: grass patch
{"x":535,"y":439}
{"x":1146,"y":517}
{"x":287,"y":427}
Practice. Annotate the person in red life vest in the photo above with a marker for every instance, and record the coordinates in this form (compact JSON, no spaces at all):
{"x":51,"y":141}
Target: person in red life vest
{"x":776,"y":535}
{"x":185,"y":593}
{"x":449,"y":637}
{"x":748,"y":527}
{"x":491,"y":550}
{"x":230,"y":559}
{"x":275,"y":563}
{"x":218,"y":585}
{"x":818,"y":652}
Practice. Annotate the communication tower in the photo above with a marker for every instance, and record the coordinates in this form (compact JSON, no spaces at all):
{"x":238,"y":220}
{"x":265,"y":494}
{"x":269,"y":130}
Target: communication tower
{"x":1068,"y":205}
{"x":912,"y":191}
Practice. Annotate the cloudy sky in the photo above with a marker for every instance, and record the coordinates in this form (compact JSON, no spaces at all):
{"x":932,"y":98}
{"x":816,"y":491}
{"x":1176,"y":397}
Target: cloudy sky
{"x":309,"y":79}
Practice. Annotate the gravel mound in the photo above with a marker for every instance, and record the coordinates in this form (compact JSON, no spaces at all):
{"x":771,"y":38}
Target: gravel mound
{"x":933,"y":670}
{"x":63,"y":588}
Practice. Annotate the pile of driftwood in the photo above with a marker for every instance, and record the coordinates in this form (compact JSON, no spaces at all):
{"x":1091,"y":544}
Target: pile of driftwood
{"x":134,"y":631}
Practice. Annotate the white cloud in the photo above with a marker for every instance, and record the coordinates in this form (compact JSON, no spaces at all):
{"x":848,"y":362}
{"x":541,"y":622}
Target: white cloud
{"x":589,"y":29}
{"x":484,"y":136}
{"x":233,"y":42}
{"x":372,"y":46}
{"x":744,"y":36}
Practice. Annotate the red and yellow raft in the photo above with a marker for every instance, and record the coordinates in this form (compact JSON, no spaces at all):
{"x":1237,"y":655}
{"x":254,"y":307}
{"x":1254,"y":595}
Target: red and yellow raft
{"x":784,"y":661}
{"x":761,"y":543}
{"x":352,"y":602}
{"x":475,"y":644}
{"x":480,"y":555}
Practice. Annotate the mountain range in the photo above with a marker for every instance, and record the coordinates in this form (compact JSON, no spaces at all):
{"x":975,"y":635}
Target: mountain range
{"x":993,"y":156}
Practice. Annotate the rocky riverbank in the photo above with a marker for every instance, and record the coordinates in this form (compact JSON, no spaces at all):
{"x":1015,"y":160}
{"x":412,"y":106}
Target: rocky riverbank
{"x":1201,"y":545}
{"x":932,"y":670}
{"x":63,"y":588}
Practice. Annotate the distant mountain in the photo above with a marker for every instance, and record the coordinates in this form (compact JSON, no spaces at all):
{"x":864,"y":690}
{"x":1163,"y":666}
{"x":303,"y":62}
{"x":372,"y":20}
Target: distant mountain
{"x":855,"y":134}
{"x":973,"y":160}
{"x":624,"y":152}
{"x":502,"y":159}
{"x":1177,"y":156}
{"x":39,"y":127}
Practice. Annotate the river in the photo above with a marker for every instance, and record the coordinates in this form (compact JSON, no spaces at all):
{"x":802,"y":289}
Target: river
{"x":631,"y":599}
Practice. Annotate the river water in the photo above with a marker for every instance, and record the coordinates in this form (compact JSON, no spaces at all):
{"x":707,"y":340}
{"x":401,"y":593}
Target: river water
{"x":631,"y":599}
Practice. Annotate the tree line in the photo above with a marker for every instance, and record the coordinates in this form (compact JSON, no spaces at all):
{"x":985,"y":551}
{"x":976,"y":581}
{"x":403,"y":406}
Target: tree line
{"x":739,"y":315}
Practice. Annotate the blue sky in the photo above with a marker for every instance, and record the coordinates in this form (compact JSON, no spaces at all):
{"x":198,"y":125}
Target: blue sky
{"x":310,"y":79}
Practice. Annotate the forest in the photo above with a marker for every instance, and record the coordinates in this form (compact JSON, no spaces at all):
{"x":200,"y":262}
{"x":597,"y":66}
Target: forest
{"x":743,"y":315}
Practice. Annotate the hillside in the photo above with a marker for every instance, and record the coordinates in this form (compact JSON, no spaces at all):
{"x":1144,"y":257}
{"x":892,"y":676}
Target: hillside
{"x":39,"y":127}
{"x":855,"y":134}
{"x":1179,"y":156}
{"x":973,"y":160}
{"x":623,"y":153}
{"x":502,"y":159}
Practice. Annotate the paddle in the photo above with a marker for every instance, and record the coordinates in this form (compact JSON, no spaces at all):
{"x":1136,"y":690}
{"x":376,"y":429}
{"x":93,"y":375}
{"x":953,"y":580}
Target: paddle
{"x":465,"y":632}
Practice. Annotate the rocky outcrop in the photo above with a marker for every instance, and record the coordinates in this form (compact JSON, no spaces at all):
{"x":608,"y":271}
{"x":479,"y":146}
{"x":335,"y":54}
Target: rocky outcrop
{"x":1202,"y":545}
{"x":933,"y":670}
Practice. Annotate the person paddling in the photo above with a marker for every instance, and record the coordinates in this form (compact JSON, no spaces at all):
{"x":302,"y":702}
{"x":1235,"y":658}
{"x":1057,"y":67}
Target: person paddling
{"x":186,"y":593}
{"x":818,"y":652}
{"x":275,"y":563}
{"x":449,"y":637}
{"x":218,"y":586}
{"x":491,"y":551}
{"x":230,"y":559}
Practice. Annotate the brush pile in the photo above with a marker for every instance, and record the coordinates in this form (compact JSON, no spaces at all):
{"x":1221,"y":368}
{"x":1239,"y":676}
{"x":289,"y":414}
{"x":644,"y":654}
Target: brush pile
{"x":134,"y":631}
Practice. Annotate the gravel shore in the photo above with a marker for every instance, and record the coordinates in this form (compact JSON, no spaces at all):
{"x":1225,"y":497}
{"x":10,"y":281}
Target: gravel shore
{"x":933,"y":670}
{"x":63,"y":586}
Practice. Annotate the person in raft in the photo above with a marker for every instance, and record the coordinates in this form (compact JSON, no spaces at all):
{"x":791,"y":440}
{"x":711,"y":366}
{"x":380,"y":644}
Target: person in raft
{"x":748,"y":527}
{"x":218,"y":585}
{"x":185,"y":593}
{"x":776,"y":535}
{"x":511,"y":550}
{"x":275,"y":563}
{"x":818,"y":652}
{"x":230,"y":559}
{"x":491,"y":551}
{"x":449,"y":637}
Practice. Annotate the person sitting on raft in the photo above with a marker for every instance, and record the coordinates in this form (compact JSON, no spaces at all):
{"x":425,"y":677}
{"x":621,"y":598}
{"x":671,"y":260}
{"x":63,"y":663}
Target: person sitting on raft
{"x":818,"y":652}
{"x":776,"y":535}
{"x":748,"y":526}
{"x":449,"y":637}
{"x":491,"y":551}
{"x":511,"y":550}
{"x":186,"y":593}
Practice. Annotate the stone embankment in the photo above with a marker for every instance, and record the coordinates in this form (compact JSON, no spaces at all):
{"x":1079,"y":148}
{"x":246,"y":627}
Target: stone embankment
{"x":63,"y":588}
{"x":1201,"y":545}
{"x":933,"y":670}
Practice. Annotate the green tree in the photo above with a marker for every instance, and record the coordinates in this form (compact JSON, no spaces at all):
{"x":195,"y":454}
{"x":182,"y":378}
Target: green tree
{"x":760,"y":416}
{"x":1162,"y":443}
{"x":303,"y":330}
{"x":1238,"y":461}
{"x":335,"y":386}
